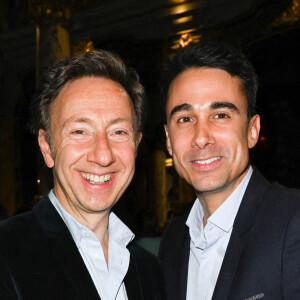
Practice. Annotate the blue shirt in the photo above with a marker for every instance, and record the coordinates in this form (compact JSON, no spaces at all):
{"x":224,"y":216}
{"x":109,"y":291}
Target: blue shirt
{"x":208,"y":245}
{"x":108,"y":278}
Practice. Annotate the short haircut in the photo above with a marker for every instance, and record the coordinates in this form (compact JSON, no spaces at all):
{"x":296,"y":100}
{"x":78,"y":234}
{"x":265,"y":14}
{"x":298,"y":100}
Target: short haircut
{"x":214,"y":55}
{"x":97,"y":63}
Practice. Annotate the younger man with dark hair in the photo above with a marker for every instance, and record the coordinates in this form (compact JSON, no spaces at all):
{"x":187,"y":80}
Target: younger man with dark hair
{"x":241,"y":239}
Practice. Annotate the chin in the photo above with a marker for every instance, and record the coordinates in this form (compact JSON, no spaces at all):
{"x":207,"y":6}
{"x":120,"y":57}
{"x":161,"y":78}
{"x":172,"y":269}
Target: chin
{"x":209,"y":186}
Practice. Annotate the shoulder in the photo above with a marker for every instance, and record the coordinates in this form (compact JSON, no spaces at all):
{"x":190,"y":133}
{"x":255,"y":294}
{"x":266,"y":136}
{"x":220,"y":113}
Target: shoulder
{"x":175,"y":239}
{"x":273,"y":216}
{"x":19,"y":236}
{"x":286,"y":208}
{"x":17,"y":225}
{"x":176,"y":229}
{"x":142,"y":257}
{"x":27,"y":221}
{"x":274,"y":198}
{"x":23,"y":234}
{"x":149,"y":272}
{"x":284,"y":191}
{"x":286,"y":200}
{"x":177,"y":223}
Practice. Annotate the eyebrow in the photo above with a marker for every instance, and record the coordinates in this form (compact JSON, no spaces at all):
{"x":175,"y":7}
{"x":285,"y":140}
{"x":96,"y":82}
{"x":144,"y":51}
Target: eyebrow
{"x":120,"y":120}
{"x":89,"y":121}
{"x":79,"y":120}
{"x":214,"y":105}
{"x":181,"y":107}
{"x":231,"y":106}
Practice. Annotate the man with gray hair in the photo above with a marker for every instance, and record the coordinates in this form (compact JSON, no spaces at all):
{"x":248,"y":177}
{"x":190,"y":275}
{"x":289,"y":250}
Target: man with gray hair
{"x":87,"y":115}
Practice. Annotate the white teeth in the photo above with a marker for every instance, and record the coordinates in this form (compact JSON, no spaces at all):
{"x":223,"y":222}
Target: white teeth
{"x":95,"y":179}
{"x":207,"y":161}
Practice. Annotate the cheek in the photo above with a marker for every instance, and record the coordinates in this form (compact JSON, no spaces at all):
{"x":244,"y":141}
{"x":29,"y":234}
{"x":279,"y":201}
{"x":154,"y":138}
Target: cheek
{"x":126,"y":153}
{"x":180,"y":145}
{"x":177,"y":139}
{"x":68,"y":153}
{"x":233,"y":138}
{"x":242,"y":141}
{"x":237,"y":144}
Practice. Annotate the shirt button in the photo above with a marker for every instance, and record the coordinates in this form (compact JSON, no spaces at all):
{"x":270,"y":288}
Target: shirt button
{"x":95,"y":255}
{"x":87,"y":235}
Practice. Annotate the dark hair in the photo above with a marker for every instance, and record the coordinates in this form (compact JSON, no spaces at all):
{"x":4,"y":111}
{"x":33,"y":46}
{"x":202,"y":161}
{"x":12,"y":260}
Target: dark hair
{"x":97,"y":63}
{"x":214,"y":55}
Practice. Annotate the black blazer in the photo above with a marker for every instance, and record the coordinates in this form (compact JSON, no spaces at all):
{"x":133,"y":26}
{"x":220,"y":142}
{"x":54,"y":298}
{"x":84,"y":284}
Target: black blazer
{"x":39,"y":260}
{"x":262,"y":260}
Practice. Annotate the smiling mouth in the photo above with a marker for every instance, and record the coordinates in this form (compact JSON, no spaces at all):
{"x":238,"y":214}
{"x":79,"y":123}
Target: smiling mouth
{"x":96,"y":179}
{"x":207,"y":161}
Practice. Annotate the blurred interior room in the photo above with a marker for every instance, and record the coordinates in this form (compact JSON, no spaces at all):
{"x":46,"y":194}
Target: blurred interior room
{"x":36,"y":33}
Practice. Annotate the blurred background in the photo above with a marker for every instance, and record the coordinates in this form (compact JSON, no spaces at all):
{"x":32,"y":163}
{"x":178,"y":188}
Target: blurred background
{"x":36,"y":33}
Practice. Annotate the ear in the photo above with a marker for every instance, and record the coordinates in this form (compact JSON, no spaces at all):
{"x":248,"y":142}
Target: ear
{"x":168,"y":142}
{"x":253,"y":131}
{"x":45,"y":149}
{"x":139,"y":138}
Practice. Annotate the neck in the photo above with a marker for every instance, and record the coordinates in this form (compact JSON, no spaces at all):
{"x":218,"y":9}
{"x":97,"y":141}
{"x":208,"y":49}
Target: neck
{"x":99,"y":225}
{"x":212,"y":200}
{"x":209,"y":205}
{"x":100,"y":228}
{"x":95,"y":221}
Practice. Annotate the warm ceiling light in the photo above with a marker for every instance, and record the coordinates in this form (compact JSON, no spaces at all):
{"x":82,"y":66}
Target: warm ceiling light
{"x":183,"y":20}
{"x":185,"y":39}
{"x":169,"y":162}
{"x":177,"y":1}
{"x":180,"y":9}
{"x":89,"y":46}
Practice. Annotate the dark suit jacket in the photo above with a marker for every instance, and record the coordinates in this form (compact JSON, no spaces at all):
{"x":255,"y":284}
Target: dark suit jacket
{"x":39,"y":260}
{"x":262,"y":260}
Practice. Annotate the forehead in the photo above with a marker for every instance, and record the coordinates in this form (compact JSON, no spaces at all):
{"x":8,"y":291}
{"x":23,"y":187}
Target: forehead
{"x":204,"y":86}
{"x":91,"y":95}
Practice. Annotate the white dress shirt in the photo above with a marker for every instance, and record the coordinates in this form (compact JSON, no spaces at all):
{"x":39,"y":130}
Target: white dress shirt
{"x":108,"y":278}
{"x":208,"y":245}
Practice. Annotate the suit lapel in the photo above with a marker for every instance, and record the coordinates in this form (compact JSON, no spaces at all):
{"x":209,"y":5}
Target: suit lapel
{"x":174,"y":255}
{"x":178,"y":260}
{"x":71,"y":262}
{"x":64,"y":249}
{"x":230,"y":263}
{"x":182,"y":265}
{"x":243,"y":222}
{"x":132,"y":283}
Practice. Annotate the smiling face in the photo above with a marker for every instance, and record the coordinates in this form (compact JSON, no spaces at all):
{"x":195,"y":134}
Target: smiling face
{"x":208,"y":133}
{"x":94,"y":143}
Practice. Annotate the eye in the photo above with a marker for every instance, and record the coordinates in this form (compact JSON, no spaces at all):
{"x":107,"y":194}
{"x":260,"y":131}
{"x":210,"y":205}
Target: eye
{"x":184,"y":119}
{"x":221,"y":116}
{"x":120,"y":132}
{"x":119,"y":135}
{"x":78,"y":131}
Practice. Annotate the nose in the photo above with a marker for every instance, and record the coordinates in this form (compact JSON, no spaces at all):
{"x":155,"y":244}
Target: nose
{"x":203,"y":135}
{"x":101,"y":151}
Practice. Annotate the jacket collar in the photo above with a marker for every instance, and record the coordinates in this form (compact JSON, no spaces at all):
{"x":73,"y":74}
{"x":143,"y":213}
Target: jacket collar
{"x":179,"y":261}
{"x":64,"y":249}
{"x":253,"y":196}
